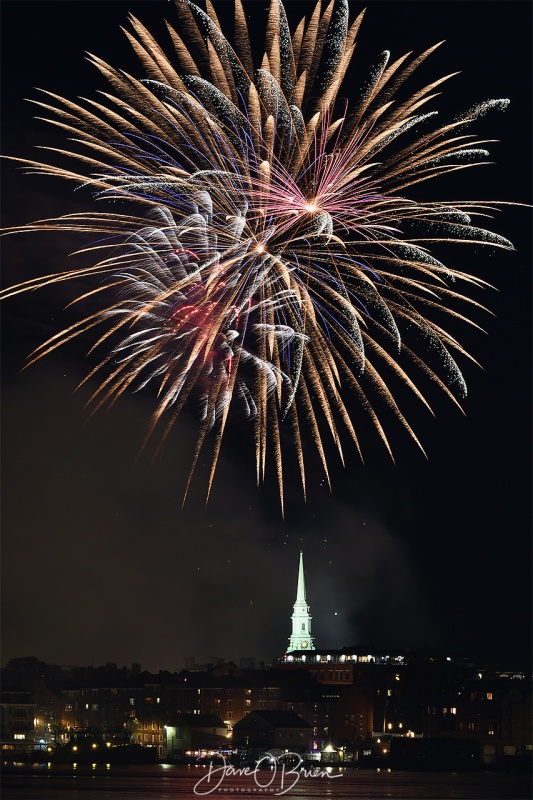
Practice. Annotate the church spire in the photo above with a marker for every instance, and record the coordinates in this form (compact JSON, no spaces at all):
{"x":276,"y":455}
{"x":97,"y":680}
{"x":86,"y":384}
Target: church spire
{"x":301,"y":638}
{"x":300,"y":592}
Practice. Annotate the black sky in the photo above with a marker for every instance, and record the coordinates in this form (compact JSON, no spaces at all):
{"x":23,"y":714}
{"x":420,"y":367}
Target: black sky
{"x":100,"y":562}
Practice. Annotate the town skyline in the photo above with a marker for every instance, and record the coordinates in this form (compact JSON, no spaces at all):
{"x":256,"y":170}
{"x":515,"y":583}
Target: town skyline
{"x":365,"y":709}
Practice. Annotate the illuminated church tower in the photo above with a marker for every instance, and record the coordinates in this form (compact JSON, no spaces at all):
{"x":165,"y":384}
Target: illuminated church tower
{"x":301,"y":638}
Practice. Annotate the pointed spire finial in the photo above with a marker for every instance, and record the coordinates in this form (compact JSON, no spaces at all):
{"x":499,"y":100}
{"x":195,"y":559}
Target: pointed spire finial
{"x":300,"y":592}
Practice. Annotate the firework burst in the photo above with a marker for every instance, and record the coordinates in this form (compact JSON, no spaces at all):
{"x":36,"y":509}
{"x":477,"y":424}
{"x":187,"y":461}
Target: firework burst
{"x":271,"y":261}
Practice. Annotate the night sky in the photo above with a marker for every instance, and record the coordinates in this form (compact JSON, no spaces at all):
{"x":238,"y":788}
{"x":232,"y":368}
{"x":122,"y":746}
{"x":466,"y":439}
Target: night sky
{"x":100,"y":561}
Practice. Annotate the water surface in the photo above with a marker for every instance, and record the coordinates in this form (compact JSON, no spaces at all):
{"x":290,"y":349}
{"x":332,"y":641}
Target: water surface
{"x":167,"y":782}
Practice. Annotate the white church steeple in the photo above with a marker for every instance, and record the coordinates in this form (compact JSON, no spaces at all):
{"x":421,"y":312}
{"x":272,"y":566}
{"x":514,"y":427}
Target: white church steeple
{"x":301,"y":638}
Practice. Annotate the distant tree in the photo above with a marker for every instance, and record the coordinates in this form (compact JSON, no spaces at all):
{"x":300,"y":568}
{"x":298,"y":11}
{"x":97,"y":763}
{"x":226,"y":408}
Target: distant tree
{"x":29,"y":665}
{"x":58,"y":729}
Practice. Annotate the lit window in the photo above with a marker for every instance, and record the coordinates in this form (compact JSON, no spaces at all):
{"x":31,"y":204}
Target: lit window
{"x":19,"y":736}
{"x":489,"y":695}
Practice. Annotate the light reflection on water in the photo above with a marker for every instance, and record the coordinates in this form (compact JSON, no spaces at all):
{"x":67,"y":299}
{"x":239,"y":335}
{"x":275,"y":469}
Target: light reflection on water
{"x":168,"y":782}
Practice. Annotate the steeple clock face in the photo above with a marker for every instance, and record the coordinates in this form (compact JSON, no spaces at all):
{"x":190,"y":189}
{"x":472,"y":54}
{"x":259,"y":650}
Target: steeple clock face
{"x":305,"y":644}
